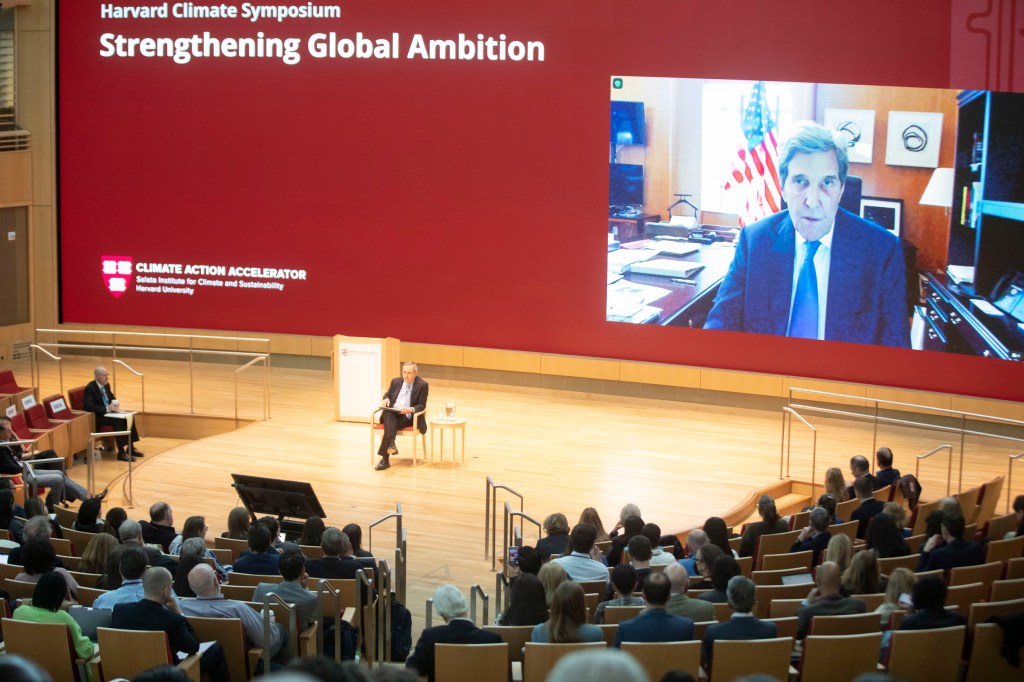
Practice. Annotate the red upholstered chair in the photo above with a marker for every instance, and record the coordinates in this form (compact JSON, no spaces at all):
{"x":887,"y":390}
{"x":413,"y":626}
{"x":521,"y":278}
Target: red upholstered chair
{"x":60,"y":434}
{"x":377,"y":428}
{"x":79,"y":425}
{"x":9,"y":387}
{"x":77,"y":397}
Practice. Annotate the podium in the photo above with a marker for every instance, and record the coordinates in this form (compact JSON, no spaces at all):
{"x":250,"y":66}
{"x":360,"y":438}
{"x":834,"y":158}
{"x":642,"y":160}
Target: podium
{"x":361,"y":369}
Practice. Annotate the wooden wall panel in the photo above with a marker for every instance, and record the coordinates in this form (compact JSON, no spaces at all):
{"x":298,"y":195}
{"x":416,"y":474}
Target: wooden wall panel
{"x":741,"y":382}
{"x":826,"y":386}
{"x":503,"y":360}
{"x":659,"y":375}
{"x":433,"y":354}
{"x":586,"y":368}
{"x":16,"y":170}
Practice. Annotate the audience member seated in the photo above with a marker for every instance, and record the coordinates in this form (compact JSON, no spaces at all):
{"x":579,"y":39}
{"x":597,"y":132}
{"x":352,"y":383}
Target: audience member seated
{"x":47,"y":599}
{"x":835,"y":485}
{"x":899,"y":517}
{"x":955,"y":552}
{"x":863,"y":577}
{"x":112,"y":521}
{"x":1018,"y":509}
{"x":293,"y":588}
{"x":312,"y":531}
{"x":159,"y":610}
{"x":718,"y":534}
{"x":814,"y":537}
{"x":567,"y":621}
{"x":551,"y":575}
{"x":131,"y":534}
{"x":825,"y":599}
{"x":556,"y":542}
{"x":159,"y":530}
{"x":111,"y":578}
{"x":88,"y":520}
{"x":885,"y":474}
{"x":859,"y":468}
{"x":527,"y":604}
{"x":706,"y":558}
{"x":239,"y":521}
{"x":131,"y":566}
{"x":277,"y":540}
{"x":450,"y":604}
{"x":211,"y":603}
{"x":655,"y":624}
{"x":897,"y":594}
{"x":950,"y":504}
{"x":529,"y":560}
{"x":828,"y":502}
{"x":630,"y":527}
{"x":696,"y":539}
{"x":94,"y":557}
{"x":624,"y":580}
{"x":36,"y":507}
{"x":868,"y":508}
{"x":50,"y":475}
{"x":38,"y":559}
{"x":590,"y":515}
{"x":640,"y":559}
{"x":14,"y":668}
{"x":628,"y":509}
{"x":742,"y":624}
{"x":10,"y":523}
{"x":195,"y":529}
{"x":679,"y":603}
{"x":191,"y":556}
{"x":355,"y":536}
{"x":261,"y":559}
{"x":886,"y":538}
{"x":929,"y":597}
{"x":723,"y":570}
{"x":33,"y":529}
{"x":659,"y":557}
{"x":338,"y":562}
{"x":578,"y":565}
{"x":769,"y":524}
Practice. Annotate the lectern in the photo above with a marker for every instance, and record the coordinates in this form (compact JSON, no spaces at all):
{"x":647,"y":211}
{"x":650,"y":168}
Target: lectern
{"x":361,"y":368}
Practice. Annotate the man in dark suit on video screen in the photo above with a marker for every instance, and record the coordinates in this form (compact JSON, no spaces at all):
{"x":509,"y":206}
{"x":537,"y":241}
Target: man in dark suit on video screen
{"x":406,"y":396}
{"x":815,"y":271}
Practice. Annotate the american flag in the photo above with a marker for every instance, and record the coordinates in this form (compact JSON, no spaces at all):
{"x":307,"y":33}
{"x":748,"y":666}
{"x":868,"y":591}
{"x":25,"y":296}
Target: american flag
{"x":754,"y":178}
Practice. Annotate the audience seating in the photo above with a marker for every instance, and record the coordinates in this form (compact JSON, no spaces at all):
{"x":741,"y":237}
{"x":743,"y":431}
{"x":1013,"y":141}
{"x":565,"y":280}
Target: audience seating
{"x":253,"y":578}
{"x":1005,"y":590}
{"x":776,"y":543}
{"x":41,"y":642}
{"x":19,"y":589}
{"x":85,"y":579}
{"x":849,"y":529}
{"x":72,"y":563}
{"x":962,"y":596}
{"x":608,"y":633}
{"x":968,"y":500}
{"x":539,"y":659}
{"x":60,"y":433}
{"x":784,"y":608}
{"x":79,"y":425}
{"x":856,"y":624}
{"x":927,"y":655}
{"x":236,"y":546}
{"x":594,"y":586}
{"x":920,"y":515}
{"x":736,"y":658}
{"x":239,"y":592}
{"x":850,"y":655}
{"x":988,"y":499}
{"x":412,"y":431}
{"x":746,"y":564}
{"x":591,"y":599}
{"x":129,"y":652}
{"x":768,"y":593}
{"x":483,"y":662}
{"x":659,"y":658}
{"x":515,"y":636}
{"x":775,"y":577}
{"x":916,"y":542}
{"x":884,"y":494}
{"x":799,"y":520}
{"x":777,"y":562}
{"x":986,"y":662}
{"x":785,"y":627}
{"x":1004,"y":550}
{"x":230,"y":633}
{"x":980,"y":613}
{"x":872,"y":601}
{"x":700,"y":628}
{"x":87,"y":595}
{"x":1015,"y":569}
{"x":983,"y":573}
{"x":66,"y":517}
{"x":723,"y":612}
{"x":890,"y":564}
{"x":79,"y":539}
{"x":10,"y":571}
{"x":999,"y":526}
{"x":844,"y":509}
{"x":613,"y":615}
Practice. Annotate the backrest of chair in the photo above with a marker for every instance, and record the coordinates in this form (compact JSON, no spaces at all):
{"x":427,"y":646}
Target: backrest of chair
{"x":312,"y":551}
{"x":56,"y":407}
{"x":593,"y":586}
{"x":513,"y":635}
{"x":40,"y":642}
{"x":980,"y":613}
{"x":855,"y":624}
{"x":613,"y":615}
{"x":778,"y":562}
{"x":236,"y":546}
{"x":872,"y":601}
{"x":883,"y":494}
{"x":784,"y":608}
{"x":76,"y":396}
{"x":989,"y":498}
{"x":591,"y":600}
{"x":239,"y":592}
{"x":775,"y":543}
{"x":890,"y":564}
{"x":539,"y":659}
{"x":999,"y":526}
{"x":1005,"y":590}
{"x":231,"y":636}
{"x":775,"y":577}
{"x":844,"y":509}
{"x":79,"y":540}
{"x":19,"y":589}
{"x":968,"y":500}
{"x":786,"y":626}
{"x":722,"y":611}
{"x":66,"y":517}
{"x":20,"y":428}
{"x":986,"y":662}
{"x":700,"y":628}
{"x":484,"y":662}
{"x":7,"y":382}
{"x":982,"y":573}
{"x":921,"y":515}
{"x":736,"y":658}
{"x":852,"y":654}
{"x":768,"y":593}
{"x":62,"y":546}
{"x":87,"y":595}
{"x":36,"y":418}
{"x":254,"y":579}
{"x":126,"y":653}
{"x":10,"y":571}
{"x":1015,"y":569}
{"x":915,"y":543}
{"x":746,"y":564}
{"x":85,"y":579}
{"x":657,"y":658}
{"x":849,"y":529}
{"x":932,"y":655}
{"x":1004,"y":550}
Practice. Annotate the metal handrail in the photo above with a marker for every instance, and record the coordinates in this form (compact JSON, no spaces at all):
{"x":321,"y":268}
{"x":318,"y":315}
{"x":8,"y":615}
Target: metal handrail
{"x":491,"y":517}
{"x":383,"y":611}
{"x":34,"y":363}
{"x":475,"y":590}
{"x":266,"y":405}
{"x":267,"y":599}
{"x":428,"y":615}
{"x":508,"y":516}
{"x":401,"y":552}
{"x":153,"y":334}
{"x":142,"y":379}
{"x":502,"y":593}
{"x":787,"y":442}
{"x":90,"y":477}
{"x":949,"y":471}
{"x":1009,"y":479}
{"x":321,"y":587}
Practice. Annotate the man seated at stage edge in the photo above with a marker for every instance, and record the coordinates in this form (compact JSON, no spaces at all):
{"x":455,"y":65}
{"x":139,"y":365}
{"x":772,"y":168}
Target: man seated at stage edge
{"x":406,"y":396}
{"x":100,"y":400}
{"x":50,"y":475}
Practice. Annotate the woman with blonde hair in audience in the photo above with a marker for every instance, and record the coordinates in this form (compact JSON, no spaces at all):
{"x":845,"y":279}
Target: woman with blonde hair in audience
{"x":94,"y":557}
{"x":899,"y":516}
{"x":897,"y":595}
{"x":238,"y":524}
{"x":839,"y":551}
{"x":835,"y":485}
{"x":590,"y":515}
{"x":551,"y":576}
{"x":863,"y":576}
{"x":568,"y":620}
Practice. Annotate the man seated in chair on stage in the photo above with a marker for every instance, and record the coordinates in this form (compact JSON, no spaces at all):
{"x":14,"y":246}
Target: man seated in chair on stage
{"x":100,"y":400}
{"x":406,"y":396}
{"x":49,"y":475}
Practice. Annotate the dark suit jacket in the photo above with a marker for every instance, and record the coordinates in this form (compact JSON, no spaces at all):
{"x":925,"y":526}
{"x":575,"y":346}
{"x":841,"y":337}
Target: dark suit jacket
{"x":851,"y":494}
{"x":867,"y":510}
{"x":333,"y":567}
{"x":158,"y":534}
{"x":931,"y":620}
{"x":458,"y":631}
{"x":93,"y":398}
{"x":884,"y":477}
{"x":818,"y":543}
{"x":655,"y":625}
{"x":417,"y":399}
{"x":866,"y":286}
{"x":956,"y":553}
{"x":745,"y":627}
{"x":148,"y":615}
{"x":265,"y":563}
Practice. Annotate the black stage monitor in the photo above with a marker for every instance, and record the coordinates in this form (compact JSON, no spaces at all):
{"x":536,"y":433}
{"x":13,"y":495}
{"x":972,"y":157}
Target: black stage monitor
{"x":283,"y":499}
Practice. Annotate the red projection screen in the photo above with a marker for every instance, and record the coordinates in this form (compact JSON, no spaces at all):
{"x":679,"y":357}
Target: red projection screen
{"x":437,"y":171}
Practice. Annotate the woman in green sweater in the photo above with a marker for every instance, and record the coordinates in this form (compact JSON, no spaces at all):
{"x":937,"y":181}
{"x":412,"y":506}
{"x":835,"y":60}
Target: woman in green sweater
{"x":46,"y":608}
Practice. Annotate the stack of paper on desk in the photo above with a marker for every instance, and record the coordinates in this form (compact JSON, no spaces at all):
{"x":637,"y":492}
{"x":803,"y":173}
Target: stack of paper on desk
{"x":675,"y":248}
{"x":620,"y":260}
{"x":666,"y":267}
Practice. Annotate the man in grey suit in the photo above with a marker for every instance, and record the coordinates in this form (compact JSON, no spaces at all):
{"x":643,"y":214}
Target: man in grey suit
{"x":293,"y":588}
{"x":743,"y":624}
{"x":406,"y":396}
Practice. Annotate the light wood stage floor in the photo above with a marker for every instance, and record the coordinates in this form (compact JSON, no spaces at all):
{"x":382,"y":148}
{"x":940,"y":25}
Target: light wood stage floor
{"x":680,"y":462}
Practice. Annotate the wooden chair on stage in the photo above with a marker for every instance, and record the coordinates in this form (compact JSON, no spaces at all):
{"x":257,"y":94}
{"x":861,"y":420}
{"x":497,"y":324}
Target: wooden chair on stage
{"x":660,"y":657}
{"x":539,"y":659}
{"x":926,"y":655}
{"x":413,"y":431}
{"x":482,"y":662}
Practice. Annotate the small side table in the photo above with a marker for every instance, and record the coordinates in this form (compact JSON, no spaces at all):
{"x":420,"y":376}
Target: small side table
{"x":442,"y":423}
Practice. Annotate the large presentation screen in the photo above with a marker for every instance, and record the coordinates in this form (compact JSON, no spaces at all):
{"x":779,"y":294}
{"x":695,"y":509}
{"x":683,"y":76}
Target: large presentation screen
{"x":437,"y":172}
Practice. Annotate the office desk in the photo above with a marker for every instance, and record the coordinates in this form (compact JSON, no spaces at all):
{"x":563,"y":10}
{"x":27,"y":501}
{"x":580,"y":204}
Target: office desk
{"x":686,"y":305}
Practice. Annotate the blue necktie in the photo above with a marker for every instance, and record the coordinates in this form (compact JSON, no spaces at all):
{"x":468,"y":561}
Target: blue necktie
{"x":803,"y":322}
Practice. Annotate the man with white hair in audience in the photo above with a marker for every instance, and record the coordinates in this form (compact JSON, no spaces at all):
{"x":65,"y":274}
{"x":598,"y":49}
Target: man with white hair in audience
{"x":694,"y":541}
{"x":679,"y":604}
{"x":627,"y":510}
{"x":210,"y":602}
{"x":36,"y":528}
{"x":450,"y":604}
{"x":130,"y":533}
